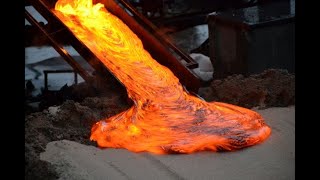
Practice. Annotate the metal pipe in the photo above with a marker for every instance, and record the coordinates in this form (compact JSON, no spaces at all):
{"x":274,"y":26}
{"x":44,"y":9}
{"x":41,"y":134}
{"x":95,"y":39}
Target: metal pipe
{"x":75,"y":78}
{"x":45,"y":80}
{"x":46,"y":72}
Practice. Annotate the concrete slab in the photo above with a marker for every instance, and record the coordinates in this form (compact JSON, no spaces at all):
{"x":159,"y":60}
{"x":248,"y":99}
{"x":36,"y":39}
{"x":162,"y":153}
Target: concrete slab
{"x":273,"y":159}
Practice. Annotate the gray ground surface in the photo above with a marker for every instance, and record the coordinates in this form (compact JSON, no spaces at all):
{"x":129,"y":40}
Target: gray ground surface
{"x":273,"y":159}
{"x":73,"y":120}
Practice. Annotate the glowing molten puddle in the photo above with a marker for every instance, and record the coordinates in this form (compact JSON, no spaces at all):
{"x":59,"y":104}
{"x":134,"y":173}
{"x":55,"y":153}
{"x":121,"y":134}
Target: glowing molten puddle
{"x":164,"y":118}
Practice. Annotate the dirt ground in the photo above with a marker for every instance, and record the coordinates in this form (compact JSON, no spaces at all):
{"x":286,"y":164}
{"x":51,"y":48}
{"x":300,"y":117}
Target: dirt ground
{"x":72,"y":120}
{"x":271,"y":88}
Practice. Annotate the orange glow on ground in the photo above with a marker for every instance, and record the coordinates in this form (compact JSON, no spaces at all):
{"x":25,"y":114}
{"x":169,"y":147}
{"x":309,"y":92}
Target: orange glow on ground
{"x":164,"y":118}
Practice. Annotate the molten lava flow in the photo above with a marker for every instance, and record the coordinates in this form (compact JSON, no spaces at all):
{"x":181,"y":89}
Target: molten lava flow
{"x":164,"y":118}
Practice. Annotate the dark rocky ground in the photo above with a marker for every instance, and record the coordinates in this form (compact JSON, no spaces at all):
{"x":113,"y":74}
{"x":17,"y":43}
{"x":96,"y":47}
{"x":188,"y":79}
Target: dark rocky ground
{"x":73,"y":119}
{"x":271,"y":88}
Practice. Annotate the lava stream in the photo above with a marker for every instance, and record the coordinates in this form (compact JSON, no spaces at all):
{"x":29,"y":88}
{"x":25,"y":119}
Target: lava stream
{"x":164,"y":118}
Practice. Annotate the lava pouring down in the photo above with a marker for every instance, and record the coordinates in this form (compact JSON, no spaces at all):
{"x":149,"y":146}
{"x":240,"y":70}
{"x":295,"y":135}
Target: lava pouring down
{"x":164,"y":118}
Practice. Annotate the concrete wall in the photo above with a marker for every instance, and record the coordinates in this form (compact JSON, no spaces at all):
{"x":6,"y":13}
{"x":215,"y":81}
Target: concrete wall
{"x":272,"y":47}
{"x":242,"y":46}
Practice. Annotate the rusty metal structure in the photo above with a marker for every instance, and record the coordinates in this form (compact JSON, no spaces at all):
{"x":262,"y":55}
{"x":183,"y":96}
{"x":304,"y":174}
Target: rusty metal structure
{"x":164,"y":51}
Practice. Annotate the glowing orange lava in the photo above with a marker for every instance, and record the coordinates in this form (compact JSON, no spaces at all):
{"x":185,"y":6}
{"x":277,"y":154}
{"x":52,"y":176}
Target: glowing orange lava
{"x":164,"y":118}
